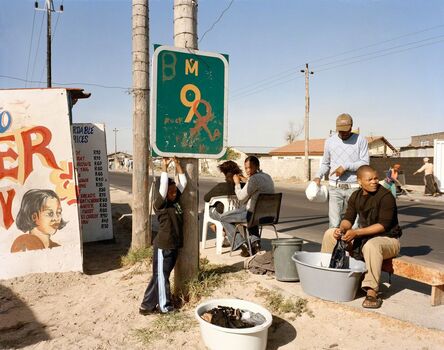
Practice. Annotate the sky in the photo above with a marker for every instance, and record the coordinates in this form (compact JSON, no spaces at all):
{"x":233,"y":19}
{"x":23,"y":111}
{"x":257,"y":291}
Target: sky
{"x":380,"y":61}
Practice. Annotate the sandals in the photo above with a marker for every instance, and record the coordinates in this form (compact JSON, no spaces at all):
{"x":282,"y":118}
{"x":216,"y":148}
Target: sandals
{"x":372,"y":302}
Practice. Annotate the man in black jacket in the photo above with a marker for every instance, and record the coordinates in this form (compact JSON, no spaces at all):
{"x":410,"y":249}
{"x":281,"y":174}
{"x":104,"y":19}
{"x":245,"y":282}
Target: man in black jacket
{"x":377,"y":237}
{"x":166,"y":242}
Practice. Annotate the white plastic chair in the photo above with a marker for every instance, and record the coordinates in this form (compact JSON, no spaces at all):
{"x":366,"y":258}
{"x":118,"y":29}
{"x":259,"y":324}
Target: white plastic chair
{"x":230,"y":203}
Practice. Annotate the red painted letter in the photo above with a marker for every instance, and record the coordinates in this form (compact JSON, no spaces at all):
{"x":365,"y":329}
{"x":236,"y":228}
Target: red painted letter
{"x":6,"y":208}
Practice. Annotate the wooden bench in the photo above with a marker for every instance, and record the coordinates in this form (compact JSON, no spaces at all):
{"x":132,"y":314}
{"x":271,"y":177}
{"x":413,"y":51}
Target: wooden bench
{"x":419,"y":270}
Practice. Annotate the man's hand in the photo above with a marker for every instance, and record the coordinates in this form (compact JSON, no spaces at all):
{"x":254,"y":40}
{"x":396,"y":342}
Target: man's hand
{"x":317,"y":181}
{"x":236,"y":179}
{"x":338,"y":172}
{"x":337,"y":233}
{"x":350,"y":235}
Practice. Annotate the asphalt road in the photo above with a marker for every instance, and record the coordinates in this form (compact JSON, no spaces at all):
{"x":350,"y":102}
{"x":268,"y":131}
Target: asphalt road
{"x":422,"y":223}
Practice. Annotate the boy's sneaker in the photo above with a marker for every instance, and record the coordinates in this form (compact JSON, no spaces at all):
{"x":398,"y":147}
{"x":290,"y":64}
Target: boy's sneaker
{"x":168,"y":309}
{"x":146,"y":312}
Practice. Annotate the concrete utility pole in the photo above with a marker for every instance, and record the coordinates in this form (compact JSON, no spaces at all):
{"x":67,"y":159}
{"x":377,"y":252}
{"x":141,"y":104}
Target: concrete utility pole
{"x":49,"y":8}
{"x":141,"y":232}
{"x":115,"y":141}
{"x":306,"y":121}
{"x":187,"y":266}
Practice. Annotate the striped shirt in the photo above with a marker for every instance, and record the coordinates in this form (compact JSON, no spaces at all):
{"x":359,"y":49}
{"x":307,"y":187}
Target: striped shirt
{"x":350,"y":154}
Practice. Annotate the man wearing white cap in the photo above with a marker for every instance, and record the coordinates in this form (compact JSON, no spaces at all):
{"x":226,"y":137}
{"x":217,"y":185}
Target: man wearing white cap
{"x":431,"y":189}
{"x":344,"y":153}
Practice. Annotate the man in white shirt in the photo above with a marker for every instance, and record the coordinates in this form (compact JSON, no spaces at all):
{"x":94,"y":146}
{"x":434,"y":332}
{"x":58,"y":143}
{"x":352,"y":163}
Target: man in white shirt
{"x":344,"y":153}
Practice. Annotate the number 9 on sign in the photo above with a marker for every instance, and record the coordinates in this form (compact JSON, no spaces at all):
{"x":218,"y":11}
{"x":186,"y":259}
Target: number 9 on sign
{"x":188,"y":103}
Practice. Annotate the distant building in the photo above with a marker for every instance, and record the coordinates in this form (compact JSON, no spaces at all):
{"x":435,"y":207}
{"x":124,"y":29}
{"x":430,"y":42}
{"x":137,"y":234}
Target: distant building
{"x":421,"y":145}
{"x":378,"y":147}
{"x":120,"y":160}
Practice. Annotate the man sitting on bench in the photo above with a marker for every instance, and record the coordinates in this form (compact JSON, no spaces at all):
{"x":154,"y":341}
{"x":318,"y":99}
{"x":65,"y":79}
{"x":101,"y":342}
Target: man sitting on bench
{"x":377,"y":237}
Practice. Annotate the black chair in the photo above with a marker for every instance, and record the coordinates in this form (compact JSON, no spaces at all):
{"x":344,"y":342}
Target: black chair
{"x":265,"y":213}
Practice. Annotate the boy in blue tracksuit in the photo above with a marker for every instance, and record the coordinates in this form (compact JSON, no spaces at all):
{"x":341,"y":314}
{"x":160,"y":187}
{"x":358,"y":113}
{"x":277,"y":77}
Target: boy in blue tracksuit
{"x":166,"y":242}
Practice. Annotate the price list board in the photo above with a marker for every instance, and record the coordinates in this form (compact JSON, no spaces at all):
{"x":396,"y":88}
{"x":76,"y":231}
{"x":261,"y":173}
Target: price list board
{"x":92,"y":172}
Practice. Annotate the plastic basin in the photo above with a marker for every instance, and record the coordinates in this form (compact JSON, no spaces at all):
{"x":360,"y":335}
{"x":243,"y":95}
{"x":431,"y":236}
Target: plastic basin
{"x":215,"y":337}
{"x":318,"y":280}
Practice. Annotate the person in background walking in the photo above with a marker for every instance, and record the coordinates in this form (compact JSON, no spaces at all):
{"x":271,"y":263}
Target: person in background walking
{"x":431,"y":189}
{"x":166,"y":242}
{"x":391,"y":179}
{"x":344,"y":153}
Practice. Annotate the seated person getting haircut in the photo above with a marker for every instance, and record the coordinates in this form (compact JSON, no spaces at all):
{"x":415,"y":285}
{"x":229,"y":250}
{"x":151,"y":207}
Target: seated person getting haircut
{"x":257,"y":182}
{"x":377,"y":237}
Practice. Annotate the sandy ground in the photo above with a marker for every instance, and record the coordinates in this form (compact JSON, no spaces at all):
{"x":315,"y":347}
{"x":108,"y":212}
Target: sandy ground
{"x":98,"y":310}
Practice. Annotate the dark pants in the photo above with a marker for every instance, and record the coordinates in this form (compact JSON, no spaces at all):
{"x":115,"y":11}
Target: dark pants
{"x":158,"y":290}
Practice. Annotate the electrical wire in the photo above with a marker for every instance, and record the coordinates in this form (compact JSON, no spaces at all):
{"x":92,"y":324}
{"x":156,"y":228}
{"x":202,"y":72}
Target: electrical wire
{"x":378,"y":56}
{"x":30,"y":48}
{"x":217,"y":20}
{"x":37,"y":49}
{"x":127,"y":89}
{"x":282,"y":74}
{"x":382,"y":50}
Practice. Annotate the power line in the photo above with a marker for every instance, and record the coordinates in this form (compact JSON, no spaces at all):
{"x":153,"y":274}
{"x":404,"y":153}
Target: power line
{"x":377,"y":43}
{"x":217,"y":20}
{"x":30,"y":47}
{"x":284,"y":73}
{"x":37,"y":49}
{"x":382,"y":50}
{"x":67,"y":84}
{"x":378,"y":56}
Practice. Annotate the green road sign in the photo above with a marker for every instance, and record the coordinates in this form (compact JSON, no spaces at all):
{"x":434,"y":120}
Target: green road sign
{"x":189,"y":103}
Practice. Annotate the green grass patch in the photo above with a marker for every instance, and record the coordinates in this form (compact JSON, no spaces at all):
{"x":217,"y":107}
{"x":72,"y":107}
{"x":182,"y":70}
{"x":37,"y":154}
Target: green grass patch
{"x":134,"y":256}
{"x":164,"y":325}
{"x":280,"y":305}
{"x":210,"y":277}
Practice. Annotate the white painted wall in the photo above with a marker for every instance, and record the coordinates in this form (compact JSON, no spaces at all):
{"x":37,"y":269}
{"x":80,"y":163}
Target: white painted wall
{"x":278,"y":169}
{"x":43,"y":115}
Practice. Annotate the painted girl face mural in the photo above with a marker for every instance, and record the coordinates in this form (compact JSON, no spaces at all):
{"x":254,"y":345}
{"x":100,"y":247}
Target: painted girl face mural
{"x":48,"y":219}
{"x":40,"y":217}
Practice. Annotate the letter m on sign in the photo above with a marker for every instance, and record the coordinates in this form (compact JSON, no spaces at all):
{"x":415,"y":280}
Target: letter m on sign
{"x":191,"y":66}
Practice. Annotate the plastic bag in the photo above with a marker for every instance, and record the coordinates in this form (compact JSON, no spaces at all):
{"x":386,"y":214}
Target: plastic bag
{"x":339,"y":258}
{"x":316,"y":193}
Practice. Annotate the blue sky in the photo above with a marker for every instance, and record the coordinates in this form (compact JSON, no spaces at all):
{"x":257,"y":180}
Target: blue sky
{"x":398,"y":94}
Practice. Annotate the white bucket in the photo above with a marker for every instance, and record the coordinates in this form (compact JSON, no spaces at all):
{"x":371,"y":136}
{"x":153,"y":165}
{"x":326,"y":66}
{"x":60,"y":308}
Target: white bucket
{"x":215,"y":337}
{"x":319,"y":280}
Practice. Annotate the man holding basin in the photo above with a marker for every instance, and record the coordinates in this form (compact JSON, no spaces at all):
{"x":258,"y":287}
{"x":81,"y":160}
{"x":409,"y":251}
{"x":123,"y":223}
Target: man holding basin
{"x":377,"y":237}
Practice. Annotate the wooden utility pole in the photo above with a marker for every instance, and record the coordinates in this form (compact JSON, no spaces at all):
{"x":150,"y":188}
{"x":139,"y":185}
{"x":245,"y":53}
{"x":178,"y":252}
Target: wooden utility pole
{"x":307,"y":122}
{"x":49,"y":7}
{"x":141,"y":232}
{"x":187,"y":266}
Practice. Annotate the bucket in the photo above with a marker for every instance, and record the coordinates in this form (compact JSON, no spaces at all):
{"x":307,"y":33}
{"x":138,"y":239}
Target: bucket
{"x":319,"y":280}
{"x":283,"y":250}
{"x":221,"y":338}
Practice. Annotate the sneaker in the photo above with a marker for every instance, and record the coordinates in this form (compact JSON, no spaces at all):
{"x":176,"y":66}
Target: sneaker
{"x":146,"y":312}
{"x":168,"y":309}
{"x":256,"y":247}
{"x":244,"y":250}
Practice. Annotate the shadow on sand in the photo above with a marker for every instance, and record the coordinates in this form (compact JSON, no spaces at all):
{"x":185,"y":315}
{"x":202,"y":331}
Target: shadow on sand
{"x":280,"y":333}
{"x":99,"y":257}
{"x":18,"y":325}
